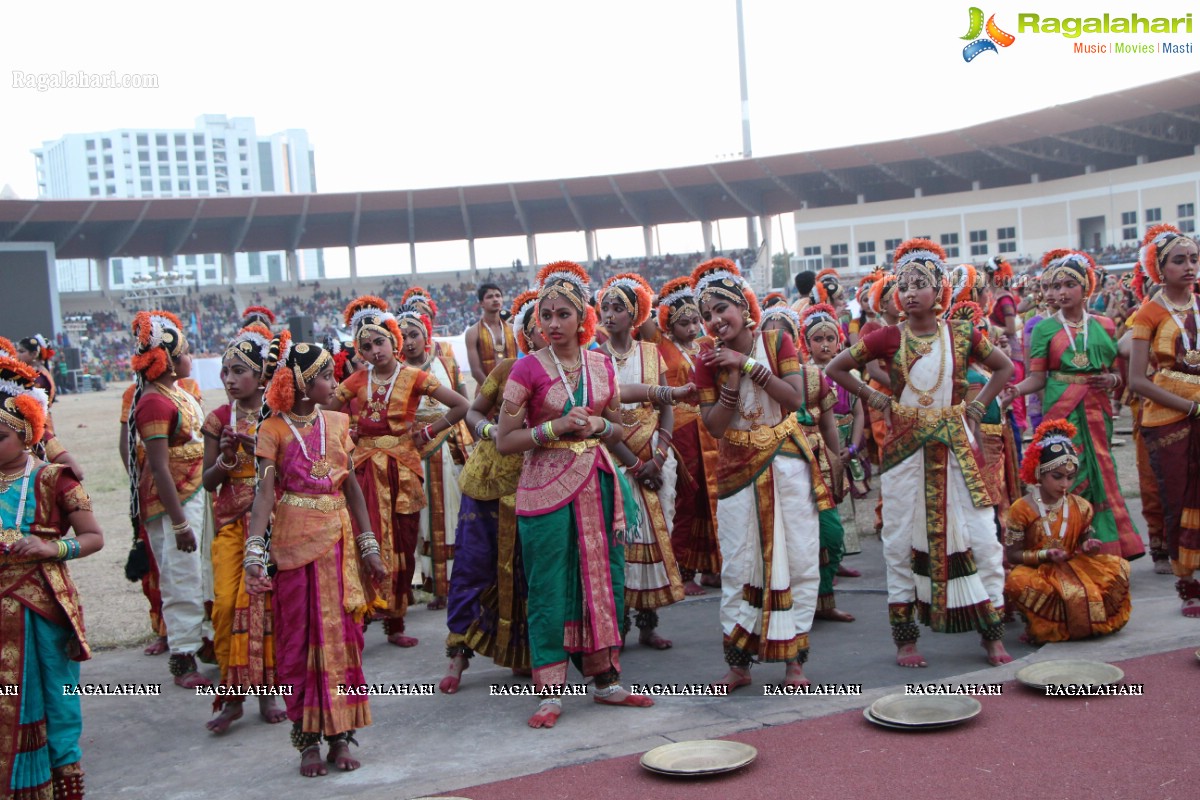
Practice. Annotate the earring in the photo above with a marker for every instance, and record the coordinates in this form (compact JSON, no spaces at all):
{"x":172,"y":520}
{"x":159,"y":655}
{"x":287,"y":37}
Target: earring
{"x":937,"y":307}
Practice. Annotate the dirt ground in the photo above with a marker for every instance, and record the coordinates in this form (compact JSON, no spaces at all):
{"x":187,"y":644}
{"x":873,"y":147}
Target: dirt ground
{"x":115,"y":609}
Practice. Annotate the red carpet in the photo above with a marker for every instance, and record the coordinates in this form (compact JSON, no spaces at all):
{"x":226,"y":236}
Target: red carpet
{"x":1023,"y":746}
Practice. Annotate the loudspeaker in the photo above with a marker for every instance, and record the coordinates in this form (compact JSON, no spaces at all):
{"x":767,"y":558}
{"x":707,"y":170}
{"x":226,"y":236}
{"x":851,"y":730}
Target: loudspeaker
{"x":301,"y":328}
{"x":71,"y":354}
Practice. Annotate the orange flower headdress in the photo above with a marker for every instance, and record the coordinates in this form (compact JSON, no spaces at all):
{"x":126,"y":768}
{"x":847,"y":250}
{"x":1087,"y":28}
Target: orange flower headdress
{"x":965,"y":283}
{"x":828,"y":288}
{"x":568,"y":280}
{"x":40,"y":345}
{"x":773,"y":299}
{"x":251,"y":347}
{"x":523,"y":319}
{"x":720,"y":277}
{"x":260,"y":314}
{"x":790,"y":319}
{"x":291,"y":367}
{"x":409,"y":315}
{"x":999,"y":271}
{"x":420,"y":297}
{"x":1074,"y":265}
{"x":1159,"y":241}
{"x":675,"y":299}
{"x":880,"y":293}
{"x":967,"y":311}
{"x":927,"y":259}
{"x":634,"y":293}
{"x":22,"y":405}
{"x":1051,"y":447}
{"x":817,"y":318}
{"x":7,"y":348}
{"x":159,"y":339}
{"x":370,"y":314}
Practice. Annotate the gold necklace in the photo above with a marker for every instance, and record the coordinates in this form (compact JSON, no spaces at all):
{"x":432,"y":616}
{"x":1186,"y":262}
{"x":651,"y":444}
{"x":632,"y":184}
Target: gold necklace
{"x":1178,"y":309}
{"x":621,"y":358}
{"x":306,"y":419}
{"x":922,"y":344}
{"x":924,"y":396}
{"x":7,"y":480}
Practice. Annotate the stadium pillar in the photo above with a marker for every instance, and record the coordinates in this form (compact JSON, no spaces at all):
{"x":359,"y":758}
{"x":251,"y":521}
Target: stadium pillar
{"x":648,"y":239}
{"x":412,"y":257}
{"x":589,"y":239}
{"x":765,"y":270}
{"x":531,"y":246}
{"x":293,"y":268}
{"x":471,"y":251}
{"x":706,"y":231}
{"x":229,"y":268}
{"x":353,"y":266}
{"x":102,"y":275}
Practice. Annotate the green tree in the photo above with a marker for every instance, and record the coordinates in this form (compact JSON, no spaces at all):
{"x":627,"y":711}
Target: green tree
{"x":781,"y":269}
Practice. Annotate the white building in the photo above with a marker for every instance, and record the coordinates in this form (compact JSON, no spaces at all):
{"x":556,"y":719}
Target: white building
{"x":221,"y":156}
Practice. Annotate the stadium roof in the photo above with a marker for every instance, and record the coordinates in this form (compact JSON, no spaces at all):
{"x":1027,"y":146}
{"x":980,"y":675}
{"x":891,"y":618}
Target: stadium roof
{"x":1148,"y":123}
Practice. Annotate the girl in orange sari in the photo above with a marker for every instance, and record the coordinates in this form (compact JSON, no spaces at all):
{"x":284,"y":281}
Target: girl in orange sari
{"x":1063,"y":586}
{"x":1167,"y":328}
{"x":387,"y":460}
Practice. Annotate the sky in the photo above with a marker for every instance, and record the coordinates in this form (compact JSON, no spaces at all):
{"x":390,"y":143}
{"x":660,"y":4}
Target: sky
{"x":402,"y":95}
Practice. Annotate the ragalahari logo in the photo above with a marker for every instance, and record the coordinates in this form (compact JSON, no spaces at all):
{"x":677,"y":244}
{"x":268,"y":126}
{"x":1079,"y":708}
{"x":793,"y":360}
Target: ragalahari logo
{"x":995,"y":36}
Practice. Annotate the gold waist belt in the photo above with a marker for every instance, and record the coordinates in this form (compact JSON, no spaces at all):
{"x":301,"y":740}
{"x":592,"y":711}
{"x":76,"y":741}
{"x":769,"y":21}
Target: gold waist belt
{"x":990,"y":429}
{"x":687,"y":407}
{"x":317,"y":502}
{"x":639,"y":414}
{"x":186,"y":452}
{"x":580,"y":446}
{"x":1182,"y":377}
{"x":387,"y":442}
{"x":763,"y":437}
{"x":925,"y":415}
{"x":243,"y":481}
{"x":1073,"y":377}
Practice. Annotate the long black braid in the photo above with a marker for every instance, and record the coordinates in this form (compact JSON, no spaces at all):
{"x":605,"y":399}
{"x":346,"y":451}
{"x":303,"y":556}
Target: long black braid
{"x":137,"y":566}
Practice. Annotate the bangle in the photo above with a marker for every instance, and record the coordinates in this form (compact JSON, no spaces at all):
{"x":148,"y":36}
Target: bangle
{"x":227,"y":467}
{"x":607,"y":430}
{"x":728,"y":398}
{"x":480,"y":429}
{"x":180,"y":527}
{"x":748,"y":365}
{"x":760,"y":375}
{"x":62,"y":550}
{"x":1195,"y":410}
{"x":649,"y":393}
{"x":666,"y":395}
{"x":635,"y":466}
{"x":852,"y":450}
{"x":878,"y":400}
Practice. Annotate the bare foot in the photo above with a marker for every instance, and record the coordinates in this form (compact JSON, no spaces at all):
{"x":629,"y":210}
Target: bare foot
{"x":454,"y":671}
{"x":157,"y":647}
{"x":269,"y":711}
{"x":436,"y":604}
{"x":339,"y":756}
{"x":848,"y":572}
{"x":711,"y":579}
{"x":190,"y":680}
{"x":908,"y":656}
{"x":794,"y":676}
{"x":834,"y":615}
{"x":734,"y":679}
{"x":547,"y":714}
{"x":400,"y":640}
{"x":231,"y":712}
{"x":996,"y":654}
{"x":651,"y":638}
{"x":1191,"y":608}
{"x":1162,"y":567}
{"x":692,"y":589}
{"x":311,"y":763}
{"x":620,"y":696}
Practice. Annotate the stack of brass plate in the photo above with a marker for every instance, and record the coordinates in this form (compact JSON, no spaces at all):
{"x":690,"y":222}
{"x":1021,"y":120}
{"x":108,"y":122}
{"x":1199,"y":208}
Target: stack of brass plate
{"x":917,"y":712}
{"x":698,"y":758}
{"x":1069,"y":672}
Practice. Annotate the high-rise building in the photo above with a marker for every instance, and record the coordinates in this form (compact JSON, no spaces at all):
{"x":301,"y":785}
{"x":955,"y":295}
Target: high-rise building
{"x":221,"y":156}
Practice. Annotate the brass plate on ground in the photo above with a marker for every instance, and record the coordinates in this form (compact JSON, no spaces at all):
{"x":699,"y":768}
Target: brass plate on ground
{"x":700,"y":757}
{"x":921,"y":710}
{"x":874,"y":720}
{"x":1069,"y":672}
